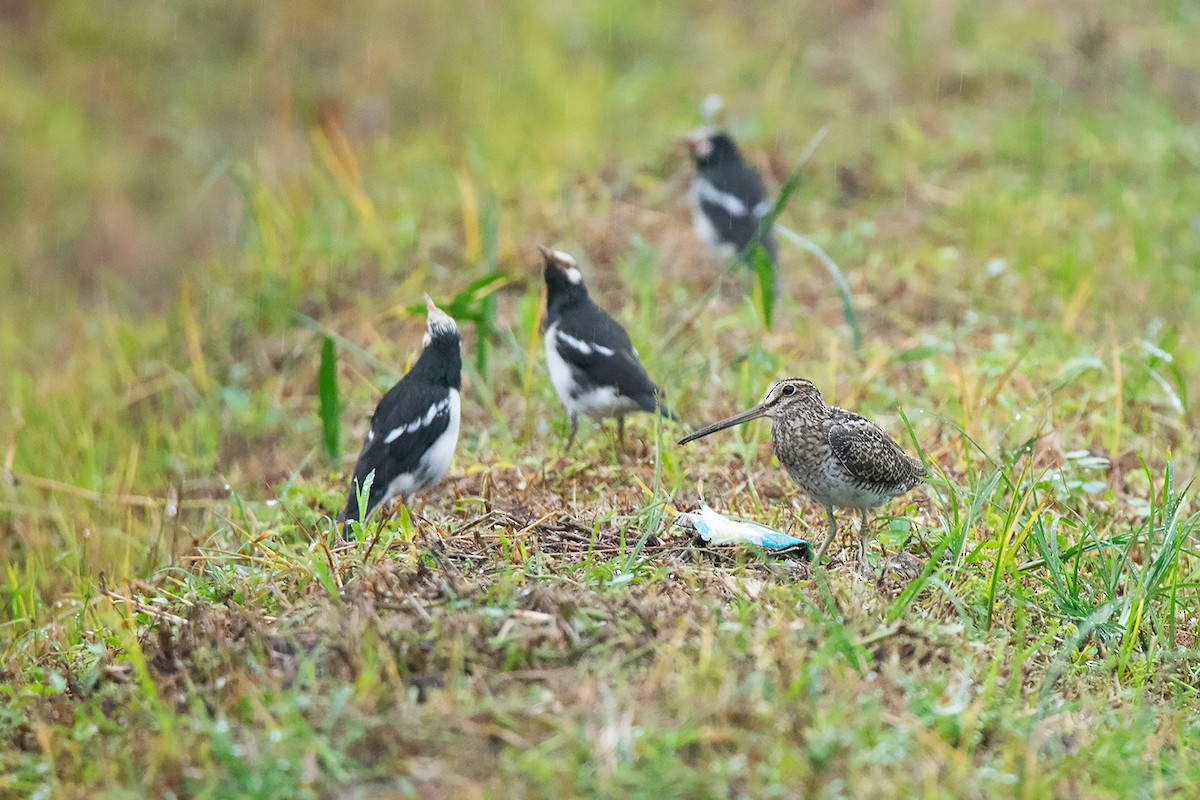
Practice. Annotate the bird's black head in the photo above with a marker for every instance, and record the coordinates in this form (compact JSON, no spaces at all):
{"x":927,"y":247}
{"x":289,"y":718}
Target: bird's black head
{"x":441,"y":361}
{"x":564,"y":281}
{"x":711,"y":147}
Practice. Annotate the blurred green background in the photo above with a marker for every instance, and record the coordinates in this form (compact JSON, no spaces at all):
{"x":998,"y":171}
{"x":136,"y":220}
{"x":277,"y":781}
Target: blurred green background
{"x":131,"y":128}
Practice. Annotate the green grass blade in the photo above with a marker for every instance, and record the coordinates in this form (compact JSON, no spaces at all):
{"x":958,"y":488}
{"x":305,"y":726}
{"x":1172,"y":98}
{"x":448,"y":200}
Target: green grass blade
{"x":765,"y":273}
{"x":835,"y":272}
{"x":327,"y":394}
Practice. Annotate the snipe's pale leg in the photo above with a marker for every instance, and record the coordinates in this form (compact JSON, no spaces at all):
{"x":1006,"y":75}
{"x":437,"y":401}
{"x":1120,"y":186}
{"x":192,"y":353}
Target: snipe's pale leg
{"x":828,"y":536}
{"x":864,"y":530}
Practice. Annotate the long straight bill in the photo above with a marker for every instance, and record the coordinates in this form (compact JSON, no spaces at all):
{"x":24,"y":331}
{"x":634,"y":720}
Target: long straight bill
{"x":728,"y":422}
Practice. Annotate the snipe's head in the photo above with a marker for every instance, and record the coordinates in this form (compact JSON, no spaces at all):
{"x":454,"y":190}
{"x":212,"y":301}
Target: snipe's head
{"x":790,"y":394}
{"x":787,"y":397}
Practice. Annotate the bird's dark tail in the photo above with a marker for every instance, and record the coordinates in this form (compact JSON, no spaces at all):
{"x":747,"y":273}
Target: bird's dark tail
{"x":655,"y":403}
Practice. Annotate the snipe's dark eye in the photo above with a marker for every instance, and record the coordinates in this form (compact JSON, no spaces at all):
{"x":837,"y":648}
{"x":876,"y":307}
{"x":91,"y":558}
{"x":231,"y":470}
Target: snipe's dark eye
{"x":789,"y":389}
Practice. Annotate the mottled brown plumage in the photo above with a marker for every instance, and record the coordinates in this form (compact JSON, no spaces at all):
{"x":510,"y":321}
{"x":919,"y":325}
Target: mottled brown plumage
{"x":837,"y":458}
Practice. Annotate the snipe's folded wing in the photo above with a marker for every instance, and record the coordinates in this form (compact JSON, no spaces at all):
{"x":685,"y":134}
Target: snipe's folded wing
{"x":870,"y":455}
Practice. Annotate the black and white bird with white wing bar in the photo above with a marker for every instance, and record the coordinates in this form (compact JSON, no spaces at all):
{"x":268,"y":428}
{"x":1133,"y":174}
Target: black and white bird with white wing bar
{"x":415,"y":427}
{"x":593,"y":365}
{"x":727,"y":196}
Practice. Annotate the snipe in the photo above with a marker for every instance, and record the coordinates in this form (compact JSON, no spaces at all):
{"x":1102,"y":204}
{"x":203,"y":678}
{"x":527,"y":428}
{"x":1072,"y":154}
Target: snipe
{"x":837,"y":458}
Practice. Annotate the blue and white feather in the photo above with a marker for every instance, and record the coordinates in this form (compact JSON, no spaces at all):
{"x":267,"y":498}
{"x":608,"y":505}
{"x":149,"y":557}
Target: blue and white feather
{"x":717,"y":529}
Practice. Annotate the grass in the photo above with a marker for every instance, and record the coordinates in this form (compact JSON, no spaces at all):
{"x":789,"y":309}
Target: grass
{"x":218,"y":226}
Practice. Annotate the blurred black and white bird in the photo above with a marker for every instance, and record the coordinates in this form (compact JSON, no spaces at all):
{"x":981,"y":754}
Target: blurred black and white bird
{"x":593,"y":365}
{"x":415,"y":426}
{"x":727,"y":196}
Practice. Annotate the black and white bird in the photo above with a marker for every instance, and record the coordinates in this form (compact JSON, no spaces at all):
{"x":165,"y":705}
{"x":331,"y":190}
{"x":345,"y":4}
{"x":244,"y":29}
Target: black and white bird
{"x":593,"y":365}
{"x":727,"y":196}
{"x":415,"y":426}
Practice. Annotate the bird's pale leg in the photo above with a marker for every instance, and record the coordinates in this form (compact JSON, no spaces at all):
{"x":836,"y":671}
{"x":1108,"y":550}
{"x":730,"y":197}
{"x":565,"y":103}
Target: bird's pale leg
{"x":828,"y":536}
{"x":864,"y":530}
{"x":621,"y":433}
{"x":574,"y":430}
